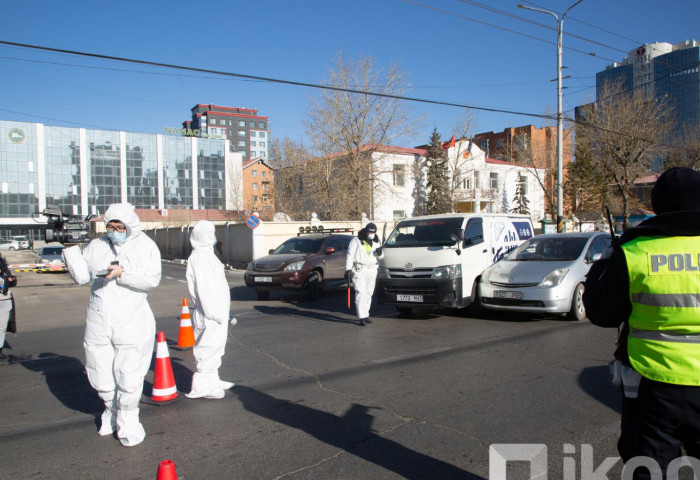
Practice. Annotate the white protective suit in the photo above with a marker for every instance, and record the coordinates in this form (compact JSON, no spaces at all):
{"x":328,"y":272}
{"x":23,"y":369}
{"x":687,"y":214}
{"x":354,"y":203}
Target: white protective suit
{"x":364,"y":273}
{"x":211,"y":304}
{"x":120,"y":327}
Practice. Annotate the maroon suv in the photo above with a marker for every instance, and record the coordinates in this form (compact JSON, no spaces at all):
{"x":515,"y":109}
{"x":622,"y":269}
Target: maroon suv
{"x":306,"y":262}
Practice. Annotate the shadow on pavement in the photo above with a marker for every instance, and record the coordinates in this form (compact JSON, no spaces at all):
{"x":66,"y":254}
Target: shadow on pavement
{"x":595,"y":381}
{"x":352,"y":433}
{"x":67,"y":381}
{"x":302,"y":312}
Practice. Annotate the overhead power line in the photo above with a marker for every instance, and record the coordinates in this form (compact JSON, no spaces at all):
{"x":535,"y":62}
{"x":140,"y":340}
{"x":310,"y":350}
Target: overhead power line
{"x":272,"y":80}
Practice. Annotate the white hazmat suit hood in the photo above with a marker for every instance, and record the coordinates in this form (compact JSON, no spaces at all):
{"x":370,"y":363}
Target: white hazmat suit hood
{"x":211,"y":304}
{"x":120,"y":326}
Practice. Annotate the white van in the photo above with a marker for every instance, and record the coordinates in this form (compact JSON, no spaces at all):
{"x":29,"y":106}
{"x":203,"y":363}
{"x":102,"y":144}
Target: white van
{"x":436,"y":260}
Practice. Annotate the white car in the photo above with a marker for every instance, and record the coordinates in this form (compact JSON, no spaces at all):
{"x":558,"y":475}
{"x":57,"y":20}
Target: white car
{"x":10,"y":245}
{"x":544,"y":275}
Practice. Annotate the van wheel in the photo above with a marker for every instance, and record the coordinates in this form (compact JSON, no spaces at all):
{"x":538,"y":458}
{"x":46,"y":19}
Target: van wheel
{"x":404,"y":311}
{"x":314,"y":285}
{"x":12,"y":249}
{"x":474,"y":308}
{"x":578,"y":310}
{"x":262,"y":295}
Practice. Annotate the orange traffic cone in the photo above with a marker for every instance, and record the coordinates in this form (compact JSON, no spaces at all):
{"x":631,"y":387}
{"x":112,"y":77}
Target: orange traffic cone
{"x":164,"y":388}
{"x":185,"y":340}
{"x":166,"y":470}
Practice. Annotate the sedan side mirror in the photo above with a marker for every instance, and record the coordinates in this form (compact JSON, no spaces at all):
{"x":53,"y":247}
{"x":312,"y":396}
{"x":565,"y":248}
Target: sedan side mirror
{"x":271,"y":251}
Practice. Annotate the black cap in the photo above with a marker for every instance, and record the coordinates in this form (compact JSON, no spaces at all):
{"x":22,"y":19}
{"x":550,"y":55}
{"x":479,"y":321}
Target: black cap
{"x":371,"y":228}
{"x":676,"y":190}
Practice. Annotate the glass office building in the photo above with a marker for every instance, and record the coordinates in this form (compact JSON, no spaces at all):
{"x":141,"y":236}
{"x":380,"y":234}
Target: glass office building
{"x":662,"y":71}
{"x":83,"y":171}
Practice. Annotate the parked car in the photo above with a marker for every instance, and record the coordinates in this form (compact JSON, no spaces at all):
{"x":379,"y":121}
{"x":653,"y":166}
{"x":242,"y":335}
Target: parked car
{"x":50,"y":254}
{"x":9,"y":245}
{"x":22,"y":240}
{"x":544,"y":275}
{"x":307,"y":262}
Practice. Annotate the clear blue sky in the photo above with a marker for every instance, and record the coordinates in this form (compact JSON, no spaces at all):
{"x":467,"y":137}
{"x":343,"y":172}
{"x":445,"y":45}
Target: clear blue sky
{"x":447,"y":56}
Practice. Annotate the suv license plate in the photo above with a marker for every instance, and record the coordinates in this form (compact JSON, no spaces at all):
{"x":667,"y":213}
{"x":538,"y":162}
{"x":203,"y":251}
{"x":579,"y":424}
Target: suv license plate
{"x":263,"y":279}
{"x":409,"y":298}
{"x":508,"y":294}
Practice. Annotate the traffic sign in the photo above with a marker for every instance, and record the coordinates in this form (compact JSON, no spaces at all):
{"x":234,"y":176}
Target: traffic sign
{"x":252,"y":221}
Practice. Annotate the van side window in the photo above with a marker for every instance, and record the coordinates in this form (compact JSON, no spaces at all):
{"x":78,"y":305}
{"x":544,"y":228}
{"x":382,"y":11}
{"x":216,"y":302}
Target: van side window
{"x":474,"y":233}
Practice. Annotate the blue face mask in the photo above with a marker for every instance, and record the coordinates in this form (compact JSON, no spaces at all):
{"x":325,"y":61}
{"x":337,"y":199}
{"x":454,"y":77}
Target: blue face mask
{"x":116,"y":237}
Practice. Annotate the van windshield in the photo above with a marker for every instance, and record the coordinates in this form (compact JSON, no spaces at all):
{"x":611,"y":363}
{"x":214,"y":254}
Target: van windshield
{"x":424,"y":233}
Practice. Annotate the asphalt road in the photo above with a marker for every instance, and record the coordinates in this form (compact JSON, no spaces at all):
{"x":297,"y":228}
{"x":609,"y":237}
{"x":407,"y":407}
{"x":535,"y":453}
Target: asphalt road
{"x":316,"y":395}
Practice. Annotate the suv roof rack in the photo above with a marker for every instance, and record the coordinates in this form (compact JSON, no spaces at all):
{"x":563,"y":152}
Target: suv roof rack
{"x":320,"y":229}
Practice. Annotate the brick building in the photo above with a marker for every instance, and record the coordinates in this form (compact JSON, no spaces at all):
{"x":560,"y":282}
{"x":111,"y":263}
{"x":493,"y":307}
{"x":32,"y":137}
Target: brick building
{"x":258,"y":186}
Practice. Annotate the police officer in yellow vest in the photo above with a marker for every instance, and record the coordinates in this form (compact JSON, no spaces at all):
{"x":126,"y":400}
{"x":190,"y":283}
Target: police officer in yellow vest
{"x":651,"y":283}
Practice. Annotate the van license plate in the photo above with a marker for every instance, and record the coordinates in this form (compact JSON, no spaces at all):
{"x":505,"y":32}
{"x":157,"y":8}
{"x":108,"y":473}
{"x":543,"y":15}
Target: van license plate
{"x":508,"y":294}
{"x":263,"y":279}
{"x":409,"y":298}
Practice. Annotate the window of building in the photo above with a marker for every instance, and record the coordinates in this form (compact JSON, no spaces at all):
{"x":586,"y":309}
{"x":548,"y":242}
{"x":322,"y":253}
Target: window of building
{"x":523,"y":181}
{"x":499,"y":143}
{"x":494,"y":181}
{"x":255,"y":198}
{"x":263,"y":154}
{"x":264,"y":185}
{"x":241,"y":133}
{"x":241,"y":143}
{"x":254,"y":186}
{"x":261,"y":134}
{"x":254,"y":173}
{"x":399,"y":175}
{"x":399,"y":214}
{"x":264,"y":197}
{"x":252,"y":133}
{"x":253,"y":154}
{"x":261,"y":125}
{"x":244,"y":153}
{"x":477,"y":180}
{"x":262,"y":144}
{"x":212,"y":121}
{"x":264,"y":174}
{"x":253,"y":143}
{"x":241,"y":123}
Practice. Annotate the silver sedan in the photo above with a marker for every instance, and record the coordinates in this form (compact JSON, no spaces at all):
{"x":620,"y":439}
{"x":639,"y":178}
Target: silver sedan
{"x":544,"y":275}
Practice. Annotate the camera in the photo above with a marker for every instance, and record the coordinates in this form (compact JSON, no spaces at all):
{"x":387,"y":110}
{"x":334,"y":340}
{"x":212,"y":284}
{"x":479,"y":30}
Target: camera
{"x":65,"y":229}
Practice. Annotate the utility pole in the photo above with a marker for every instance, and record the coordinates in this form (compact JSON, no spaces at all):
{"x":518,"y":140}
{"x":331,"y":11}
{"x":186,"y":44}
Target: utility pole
{"x":560,"y":128}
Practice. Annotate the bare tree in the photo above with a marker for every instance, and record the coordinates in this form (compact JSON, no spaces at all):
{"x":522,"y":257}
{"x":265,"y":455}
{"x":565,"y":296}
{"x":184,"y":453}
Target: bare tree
{"x":688,"y":152}
{"x":625,"y":134}
{"x":460,"y":158}
{"x":290,"y":161}
{"x":352,"y":126}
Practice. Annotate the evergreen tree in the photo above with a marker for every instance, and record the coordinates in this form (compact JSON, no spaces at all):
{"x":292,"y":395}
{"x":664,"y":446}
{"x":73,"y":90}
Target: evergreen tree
{"x":439,"y":200}
{"x":520,"y":201}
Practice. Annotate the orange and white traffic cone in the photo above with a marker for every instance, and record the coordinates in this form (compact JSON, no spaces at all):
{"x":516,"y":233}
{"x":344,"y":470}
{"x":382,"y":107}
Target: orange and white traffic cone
{"x":166,"y":470}
{"x":185,"y":340}
{"x":164,"y":388}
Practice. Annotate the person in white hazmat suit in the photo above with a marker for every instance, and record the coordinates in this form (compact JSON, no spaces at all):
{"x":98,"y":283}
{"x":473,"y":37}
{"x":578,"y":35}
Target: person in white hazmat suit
{"x":361,"y":269}
{"x":211,"y":304}
{"x":123,"y":267}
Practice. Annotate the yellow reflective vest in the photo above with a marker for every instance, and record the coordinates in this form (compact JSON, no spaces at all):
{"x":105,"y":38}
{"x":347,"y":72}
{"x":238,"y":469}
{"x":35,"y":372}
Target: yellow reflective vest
{"x":664,"y":340}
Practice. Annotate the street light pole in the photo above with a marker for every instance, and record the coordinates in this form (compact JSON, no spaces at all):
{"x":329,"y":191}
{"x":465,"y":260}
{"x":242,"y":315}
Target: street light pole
{"x":560,"y":115}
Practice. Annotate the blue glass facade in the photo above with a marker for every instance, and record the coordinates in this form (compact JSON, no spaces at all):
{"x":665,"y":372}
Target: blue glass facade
{"x":677,"y":77}
{"x":83,"y":171}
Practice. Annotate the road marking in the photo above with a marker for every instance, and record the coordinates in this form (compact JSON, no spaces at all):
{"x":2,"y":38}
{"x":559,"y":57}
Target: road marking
{"x":424,"y":353}
{"x":14,"y":360}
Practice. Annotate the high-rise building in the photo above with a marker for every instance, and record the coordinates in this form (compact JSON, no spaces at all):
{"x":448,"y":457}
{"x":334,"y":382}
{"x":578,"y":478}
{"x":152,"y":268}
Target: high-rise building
{"x":248,"y":132}
{"x":662,"y":71}
{"x":82,"y":171}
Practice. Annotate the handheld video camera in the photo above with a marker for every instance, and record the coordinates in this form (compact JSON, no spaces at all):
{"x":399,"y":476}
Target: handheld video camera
{"x":65,"y":229}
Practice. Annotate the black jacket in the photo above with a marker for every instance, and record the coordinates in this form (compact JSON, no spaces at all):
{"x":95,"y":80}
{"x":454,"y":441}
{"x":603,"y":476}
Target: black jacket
{"x":607,"y":296}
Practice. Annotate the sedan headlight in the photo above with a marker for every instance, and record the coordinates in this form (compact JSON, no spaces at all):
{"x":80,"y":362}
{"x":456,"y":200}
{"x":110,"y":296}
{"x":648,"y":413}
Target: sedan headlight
{"x":447,"y":271}
{"x":382,"y":272}
{"x":486,"y":275}
{"x":294,"y":266}
{"x":554,"y":277}
{"x":44,"y":260}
